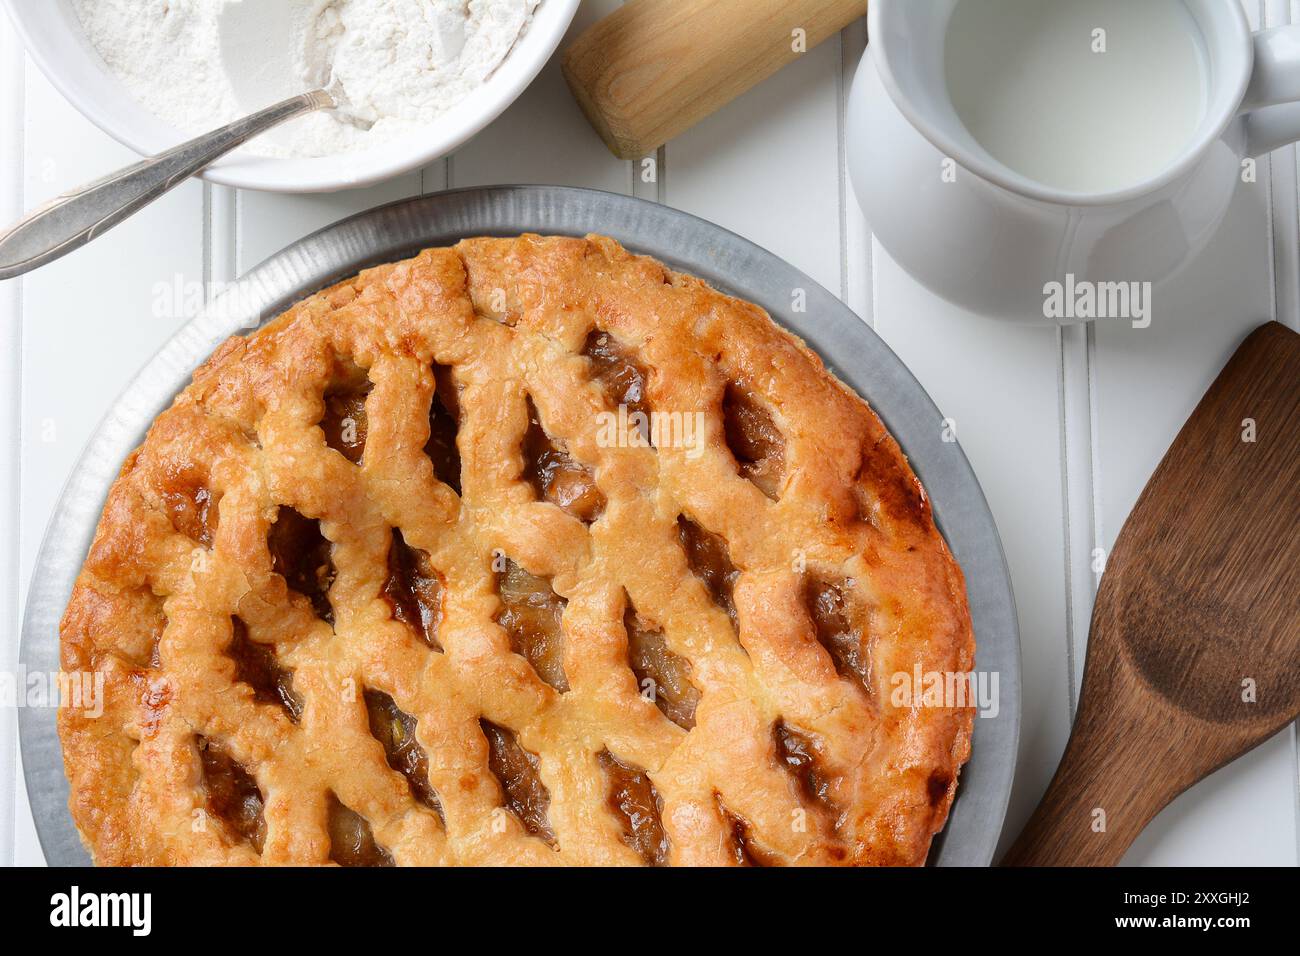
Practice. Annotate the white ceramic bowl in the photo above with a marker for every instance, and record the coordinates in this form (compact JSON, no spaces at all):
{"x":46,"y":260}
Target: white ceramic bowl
{"x":56,"y":42}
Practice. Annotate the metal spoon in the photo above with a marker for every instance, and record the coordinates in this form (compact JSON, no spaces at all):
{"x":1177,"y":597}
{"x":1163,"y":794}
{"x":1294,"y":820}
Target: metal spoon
{"x":70,"y":221}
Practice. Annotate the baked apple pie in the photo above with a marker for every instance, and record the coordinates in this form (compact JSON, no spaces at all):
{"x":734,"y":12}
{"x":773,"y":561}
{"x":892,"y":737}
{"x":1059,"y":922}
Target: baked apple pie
{"x":527,"y":551}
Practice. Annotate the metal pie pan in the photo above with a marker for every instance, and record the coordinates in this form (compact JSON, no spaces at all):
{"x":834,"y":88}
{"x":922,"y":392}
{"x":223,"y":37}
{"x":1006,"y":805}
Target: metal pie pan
{"x":728,"y":262}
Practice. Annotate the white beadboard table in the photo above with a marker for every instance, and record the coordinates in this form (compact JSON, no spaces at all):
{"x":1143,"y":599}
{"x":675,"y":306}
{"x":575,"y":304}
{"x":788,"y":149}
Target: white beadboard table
{"x":1063,"y":427}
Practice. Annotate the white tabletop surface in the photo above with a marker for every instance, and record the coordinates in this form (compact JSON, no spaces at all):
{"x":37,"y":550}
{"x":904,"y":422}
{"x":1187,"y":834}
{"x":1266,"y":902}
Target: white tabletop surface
{"x":1063,"y":427}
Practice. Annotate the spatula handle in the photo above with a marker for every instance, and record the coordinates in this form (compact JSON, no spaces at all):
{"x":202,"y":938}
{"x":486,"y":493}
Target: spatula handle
{"x":1119,"y":770}
{"x":654,"y":68}
{"x":1092,"y":811}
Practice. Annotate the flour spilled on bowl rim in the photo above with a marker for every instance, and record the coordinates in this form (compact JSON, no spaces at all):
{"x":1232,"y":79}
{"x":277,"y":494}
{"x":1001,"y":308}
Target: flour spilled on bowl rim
{"x":198,"y":64}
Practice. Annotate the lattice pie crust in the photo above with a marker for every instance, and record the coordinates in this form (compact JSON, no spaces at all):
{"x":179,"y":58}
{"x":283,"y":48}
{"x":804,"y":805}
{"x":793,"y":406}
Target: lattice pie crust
{"x":393,"y":581}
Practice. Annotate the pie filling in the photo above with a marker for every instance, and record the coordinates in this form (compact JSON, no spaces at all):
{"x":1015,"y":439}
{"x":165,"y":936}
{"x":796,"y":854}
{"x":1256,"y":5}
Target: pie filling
{"x":530,"y":613}
{"x":395,"y":730}
{"x":708,"y":557}
{"x":444,"y":424}
{"x":352,"y":843}
{"x":636,"y":803}
{"x":521,"y":784}
{"x":754,"y":440}
{"x":556,"y":477}
{"x":744,"y":849}
{"x":798,"y":754}
{"x":664,"y":678}
{"x":621,"y":376}
{"x":841,"y":639}
{"x":190,"y":506}
{"x":257,"y":666}
{"x":345,"y":423}
{"x":232,"y":794}
{"x":302,"y":556}
{"x":413,"y":590}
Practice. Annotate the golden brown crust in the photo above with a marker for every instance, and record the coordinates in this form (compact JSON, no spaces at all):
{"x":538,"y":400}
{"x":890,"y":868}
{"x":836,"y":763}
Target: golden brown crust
{"x":833,"y":515}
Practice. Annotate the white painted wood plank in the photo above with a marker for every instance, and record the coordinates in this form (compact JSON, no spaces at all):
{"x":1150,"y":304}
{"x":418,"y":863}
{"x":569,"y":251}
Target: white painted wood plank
{"x":1254,"y":13}
{"x":1082,"y":569}
{"x":543,"y":137}
{"x":650,"y":176}
{"x":221,"y":256}
{"x":11,"y":204}
{"x":433,"y":178}
{"x":998,"y":381}
{"x":1243,"y":815}
{"x":855,"y":280}
{"x":1285,"y":188}
{"x":96,"y":316}
{"x":1284,"y":216}
{"x":1285,"y":221}
{"x":267,"y":222}
{"x":767,"y":165}
{"x":1149,"y":380}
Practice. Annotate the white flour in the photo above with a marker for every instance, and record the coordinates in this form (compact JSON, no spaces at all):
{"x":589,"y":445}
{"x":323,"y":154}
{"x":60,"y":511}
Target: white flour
{"x":200,"y":63}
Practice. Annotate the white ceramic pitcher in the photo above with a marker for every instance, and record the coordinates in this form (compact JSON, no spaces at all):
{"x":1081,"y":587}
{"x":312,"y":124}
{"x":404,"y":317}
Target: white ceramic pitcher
{"x":992,"y":240}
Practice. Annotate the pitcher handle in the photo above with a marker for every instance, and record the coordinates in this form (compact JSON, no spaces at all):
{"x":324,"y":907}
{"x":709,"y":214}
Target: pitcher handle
{"x":1272,"y":103}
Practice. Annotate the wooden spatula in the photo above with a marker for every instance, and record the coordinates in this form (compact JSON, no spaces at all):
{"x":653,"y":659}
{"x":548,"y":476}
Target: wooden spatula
{"x":1194,"y":655}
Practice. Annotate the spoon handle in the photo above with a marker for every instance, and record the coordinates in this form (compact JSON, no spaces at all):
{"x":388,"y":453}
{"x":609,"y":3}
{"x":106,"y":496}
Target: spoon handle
{"x":1119,"y":770}
{"x":70,"y":221}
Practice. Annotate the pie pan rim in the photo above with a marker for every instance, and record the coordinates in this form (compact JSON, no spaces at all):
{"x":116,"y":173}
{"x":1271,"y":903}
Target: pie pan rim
{"x":733,"y":265}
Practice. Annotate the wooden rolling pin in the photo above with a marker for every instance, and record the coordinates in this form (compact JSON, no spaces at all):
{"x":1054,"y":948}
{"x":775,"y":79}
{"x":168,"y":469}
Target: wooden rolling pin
{"x":654,"y":68}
